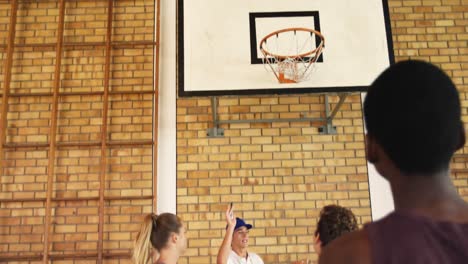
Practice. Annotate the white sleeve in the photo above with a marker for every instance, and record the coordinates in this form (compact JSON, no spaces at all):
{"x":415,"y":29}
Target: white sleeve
{"x":258,"y":259}
{"x":230,"y":260}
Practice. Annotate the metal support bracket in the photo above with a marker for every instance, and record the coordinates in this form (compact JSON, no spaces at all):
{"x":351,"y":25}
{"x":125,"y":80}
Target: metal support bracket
{"x":327,"y":129}
{"x":215,"y":131}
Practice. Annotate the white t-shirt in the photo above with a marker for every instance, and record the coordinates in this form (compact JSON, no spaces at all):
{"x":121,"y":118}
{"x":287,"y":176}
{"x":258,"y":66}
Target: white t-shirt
{"x":252,"y":258}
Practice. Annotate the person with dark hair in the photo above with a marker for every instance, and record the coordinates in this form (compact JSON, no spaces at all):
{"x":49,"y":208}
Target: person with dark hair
{"x":164,"y":233}
{"x":233,"y":249}
{"x":334,"y":221}
{"x":413,"y":119}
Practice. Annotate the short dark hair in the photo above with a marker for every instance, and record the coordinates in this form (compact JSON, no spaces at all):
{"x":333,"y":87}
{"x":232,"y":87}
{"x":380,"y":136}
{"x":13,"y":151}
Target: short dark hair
{"x":413,"y":111}
{"x":334,"y":221}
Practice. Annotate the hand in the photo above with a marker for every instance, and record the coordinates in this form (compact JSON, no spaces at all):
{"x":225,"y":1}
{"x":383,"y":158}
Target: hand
{"x":230,"y":217}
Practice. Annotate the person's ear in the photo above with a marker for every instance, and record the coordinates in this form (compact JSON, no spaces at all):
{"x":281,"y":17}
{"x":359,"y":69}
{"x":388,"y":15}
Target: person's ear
{"x":174,"y":237}
{"x":317,"y":244}
{"x":317,"y":239}
{"x":371,"y":149}
{"x":461,"y":137}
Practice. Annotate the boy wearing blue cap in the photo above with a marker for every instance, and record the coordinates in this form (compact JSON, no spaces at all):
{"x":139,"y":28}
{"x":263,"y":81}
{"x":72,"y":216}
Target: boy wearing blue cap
{"x":233,"y":250}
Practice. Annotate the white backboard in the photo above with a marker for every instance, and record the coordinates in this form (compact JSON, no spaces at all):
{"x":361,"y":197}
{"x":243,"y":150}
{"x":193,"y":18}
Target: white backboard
{"x":218,"y":44}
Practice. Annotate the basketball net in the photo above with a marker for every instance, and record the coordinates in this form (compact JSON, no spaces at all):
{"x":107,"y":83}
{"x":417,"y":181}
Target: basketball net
{"x":291,"y":53}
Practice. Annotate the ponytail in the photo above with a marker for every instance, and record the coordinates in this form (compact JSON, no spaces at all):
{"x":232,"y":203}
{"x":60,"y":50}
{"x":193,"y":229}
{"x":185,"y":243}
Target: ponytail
{"x":142,"y":246}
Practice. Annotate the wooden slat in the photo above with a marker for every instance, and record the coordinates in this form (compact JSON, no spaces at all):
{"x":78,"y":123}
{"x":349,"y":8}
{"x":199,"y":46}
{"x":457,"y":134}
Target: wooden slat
{"x":77,"y":199}
{"x":459,"y":170}
{"x":105,"y":110}
{"x":78,"y":93}
{"x":119,"y":255}
{"x":156,"y":107}
{"x":130,"y":92}
{"x":36,"y":257}
{"x":35,"y":1}
{"x":78,"y":144}
{"x":24,"y":257}
{"x":25,"y":145}
{"x":6,"y":81}
{"x":132,"y":44}
{"x":460,"y":156}
{"x":19,"y":95}
{"x":131,"y":143}
{"x":116,"y":44}
{"x":53,"y":131}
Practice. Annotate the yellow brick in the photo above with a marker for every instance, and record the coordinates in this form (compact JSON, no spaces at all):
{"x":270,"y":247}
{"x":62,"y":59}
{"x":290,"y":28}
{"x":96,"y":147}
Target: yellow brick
{"x":294,"y":214}
{"x":325,"y":187}
{"x":289,"y":100}
{"x":266,"y":241}
{"x":304,"y":204}
{"x":187,"y":200}
{"x":314,"y":163}
{"x":290,"y":115}
{"x":207,"y":165}
{"x":251,"y":148}
{"x":230,"y":182}
{"x":252,"y":197}
{"x":291,"y":163}
{"x":226,"y":101}
{"x":240,"y":140}
{"x":337,"y":195}
{"x":208,"y":182}
{"x":276,"y":249}
{"x":262,"y":156}
{"x":262,"y":140}
{"x":264,"y":189}
{"x":249,"y":101}
{"x":271,"y":164}
{"x":358,"y":194}
{"x":251,"y":132}
{"x":294,"y":196}
{"x":270,"y":131}
{"x":251,"y":164}
{"x":199,"y":242}
{"x":229,"y":165}
{"x":187,"y":166}
{"x":279,"y":108}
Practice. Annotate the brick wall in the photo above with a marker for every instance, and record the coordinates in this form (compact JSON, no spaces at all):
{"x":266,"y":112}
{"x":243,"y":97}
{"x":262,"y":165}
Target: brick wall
{"x":280,"y":174}
{"x":76,"y":176}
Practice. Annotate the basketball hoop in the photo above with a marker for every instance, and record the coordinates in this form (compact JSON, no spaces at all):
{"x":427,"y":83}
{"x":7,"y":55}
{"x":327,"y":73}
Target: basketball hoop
{"x":291,"y":53}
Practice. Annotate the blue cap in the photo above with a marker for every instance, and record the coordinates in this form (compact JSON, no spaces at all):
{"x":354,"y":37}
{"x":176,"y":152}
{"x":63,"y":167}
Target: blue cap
{"x":240,"y":223}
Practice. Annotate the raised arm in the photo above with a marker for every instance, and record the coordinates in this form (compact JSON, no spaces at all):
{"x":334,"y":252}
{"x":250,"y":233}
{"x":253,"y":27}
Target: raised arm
{"x":225,"y":248}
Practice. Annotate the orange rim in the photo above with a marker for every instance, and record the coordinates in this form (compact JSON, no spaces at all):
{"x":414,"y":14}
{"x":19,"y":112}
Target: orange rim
{"x":266,"y":52}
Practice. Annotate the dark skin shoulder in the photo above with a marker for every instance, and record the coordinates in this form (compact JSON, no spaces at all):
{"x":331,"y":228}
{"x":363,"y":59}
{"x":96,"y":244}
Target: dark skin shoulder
{"x":351,"y":248}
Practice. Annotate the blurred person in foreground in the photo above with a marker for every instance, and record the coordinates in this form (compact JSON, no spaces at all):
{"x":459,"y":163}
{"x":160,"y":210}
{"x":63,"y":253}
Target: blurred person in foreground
{"x":413,"y":120}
